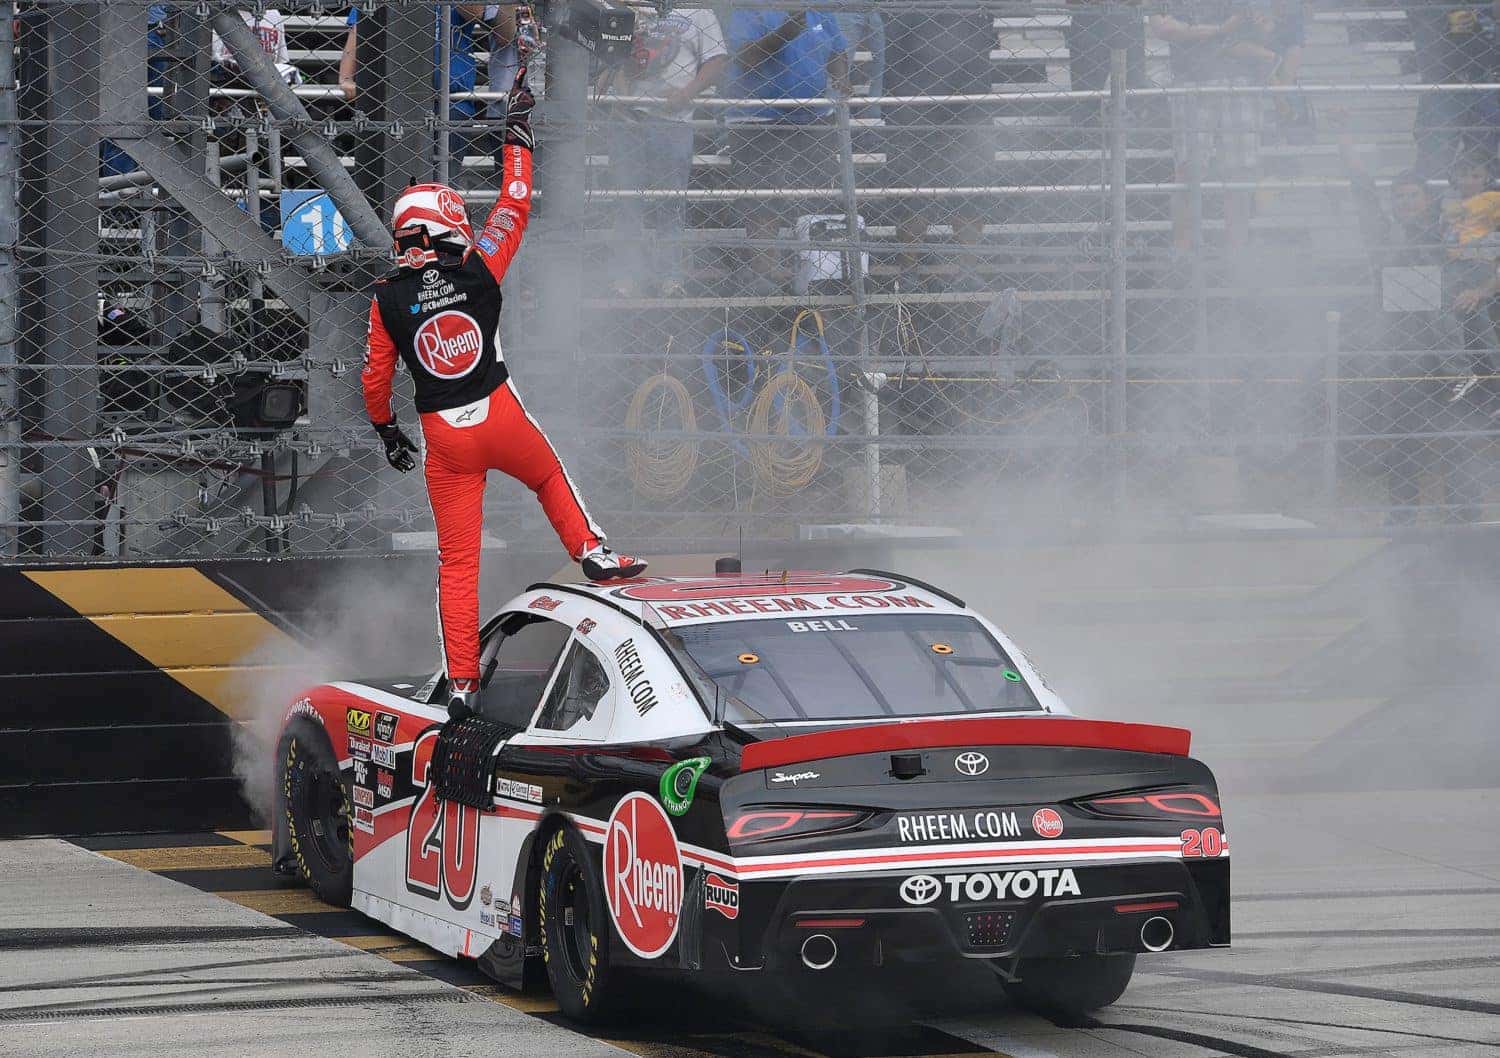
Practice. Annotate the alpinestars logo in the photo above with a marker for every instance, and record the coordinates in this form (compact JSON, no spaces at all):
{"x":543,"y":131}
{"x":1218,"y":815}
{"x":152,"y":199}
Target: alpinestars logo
{"x":922,"y":889}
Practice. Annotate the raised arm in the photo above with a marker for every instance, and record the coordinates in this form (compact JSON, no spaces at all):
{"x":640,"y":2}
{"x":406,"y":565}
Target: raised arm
{"x":501,"y":236}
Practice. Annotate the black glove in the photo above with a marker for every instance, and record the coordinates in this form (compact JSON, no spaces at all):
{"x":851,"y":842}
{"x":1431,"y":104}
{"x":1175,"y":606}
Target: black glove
{"x":518,"y":108}
{"x":398,"y":447}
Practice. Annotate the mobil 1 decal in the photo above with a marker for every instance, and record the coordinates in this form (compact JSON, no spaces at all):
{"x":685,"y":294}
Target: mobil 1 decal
{"x":643,"y":875}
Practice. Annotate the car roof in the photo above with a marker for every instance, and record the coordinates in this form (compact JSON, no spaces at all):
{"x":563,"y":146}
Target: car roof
{"x":678,"y":601}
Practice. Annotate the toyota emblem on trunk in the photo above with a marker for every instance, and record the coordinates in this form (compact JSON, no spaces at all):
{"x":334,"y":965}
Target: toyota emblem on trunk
{"x":920,"y":889}
{"x":971,"y":763}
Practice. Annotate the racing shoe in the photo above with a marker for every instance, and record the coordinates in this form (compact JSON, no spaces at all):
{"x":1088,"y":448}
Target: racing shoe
{"x":602,"y":564}
{"x":461,"y":697}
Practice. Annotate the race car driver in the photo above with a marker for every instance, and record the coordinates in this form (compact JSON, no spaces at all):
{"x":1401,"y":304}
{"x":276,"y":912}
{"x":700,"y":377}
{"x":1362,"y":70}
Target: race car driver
{"x":440,"y":314}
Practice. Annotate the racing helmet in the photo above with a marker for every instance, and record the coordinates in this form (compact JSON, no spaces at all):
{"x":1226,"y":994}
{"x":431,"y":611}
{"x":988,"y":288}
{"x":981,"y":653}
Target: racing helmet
{"x":438,"y":209}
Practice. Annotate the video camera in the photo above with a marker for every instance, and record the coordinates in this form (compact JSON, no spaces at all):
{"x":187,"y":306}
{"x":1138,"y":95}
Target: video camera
{"x":605,"y":29}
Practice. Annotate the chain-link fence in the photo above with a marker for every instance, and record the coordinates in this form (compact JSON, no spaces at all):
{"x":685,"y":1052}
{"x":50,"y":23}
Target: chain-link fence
{"x":935,"y":262}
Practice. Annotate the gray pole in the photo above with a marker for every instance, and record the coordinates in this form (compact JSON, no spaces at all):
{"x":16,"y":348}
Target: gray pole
{"x":444,"y":16}
{"x":1331,"y":342}
{"x":855,"y":261}
{"x":322,"y":159}
{"x":10,"y":232}
{"x":72,"y":299}
{"x":1116,"y":423}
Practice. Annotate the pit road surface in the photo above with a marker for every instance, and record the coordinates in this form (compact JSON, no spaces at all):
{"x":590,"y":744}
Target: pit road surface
{"x":1364,"y":924}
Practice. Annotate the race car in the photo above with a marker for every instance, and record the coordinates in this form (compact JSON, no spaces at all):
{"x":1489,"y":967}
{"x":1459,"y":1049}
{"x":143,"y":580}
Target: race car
{"x":803,"y":780}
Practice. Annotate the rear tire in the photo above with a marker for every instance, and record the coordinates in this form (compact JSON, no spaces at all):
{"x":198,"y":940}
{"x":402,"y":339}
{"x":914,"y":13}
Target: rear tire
{"x":315,"y":798}
{"x":1073,"y":985}
{"x":575,"y":932}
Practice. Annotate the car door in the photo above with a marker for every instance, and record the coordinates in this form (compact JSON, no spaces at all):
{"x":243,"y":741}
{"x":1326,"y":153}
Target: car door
{"x":459,"y":860}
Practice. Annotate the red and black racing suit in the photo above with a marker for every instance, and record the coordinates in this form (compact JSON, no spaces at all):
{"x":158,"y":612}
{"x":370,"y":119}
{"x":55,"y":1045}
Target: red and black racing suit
{"x":441,"y":315}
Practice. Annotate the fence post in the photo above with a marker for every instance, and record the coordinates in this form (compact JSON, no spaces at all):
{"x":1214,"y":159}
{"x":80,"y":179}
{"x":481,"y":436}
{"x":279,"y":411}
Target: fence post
{"x":1116,"y":418}
{"x":72,"y":298}
{"x":444,"y":16}
{"x":855,"y":263}
{"x":1331,"y":342}
{"x":10,"y":234}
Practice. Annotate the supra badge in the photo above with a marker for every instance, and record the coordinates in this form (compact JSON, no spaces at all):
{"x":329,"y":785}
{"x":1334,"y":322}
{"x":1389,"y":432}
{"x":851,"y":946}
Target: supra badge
{"x":971,"y":763}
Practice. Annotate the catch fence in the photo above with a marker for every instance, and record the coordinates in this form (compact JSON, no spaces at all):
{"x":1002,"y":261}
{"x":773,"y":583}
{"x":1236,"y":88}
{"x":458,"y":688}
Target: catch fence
{"x":985,"y":267}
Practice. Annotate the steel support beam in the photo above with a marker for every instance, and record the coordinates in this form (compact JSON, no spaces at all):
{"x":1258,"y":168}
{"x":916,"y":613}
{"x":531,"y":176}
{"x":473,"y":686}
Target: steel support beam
{"x":10,"y":290}
{"x":72,"y":296}
{"x":322,"y":159}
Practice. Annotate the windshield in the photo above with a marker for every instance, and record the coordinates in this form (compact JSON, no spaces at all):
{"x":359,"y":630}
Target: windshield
{"x":852,"y":668}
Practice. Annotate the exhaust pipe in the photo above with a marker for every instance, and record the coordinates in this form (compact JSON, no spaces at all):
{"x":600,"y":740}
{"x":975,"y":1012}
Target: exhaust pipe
{"x":819,"y":952}
{"x":1157,"y":933}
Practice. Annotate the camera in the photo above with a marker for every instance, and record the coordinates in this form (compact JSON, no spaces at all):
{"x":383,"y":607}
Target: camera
{"x":605,"y":29}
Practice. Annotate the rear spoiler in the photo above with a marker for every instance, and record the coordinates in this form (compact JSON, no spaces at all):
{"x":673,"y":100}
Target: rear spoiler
{"x":928,"y":734}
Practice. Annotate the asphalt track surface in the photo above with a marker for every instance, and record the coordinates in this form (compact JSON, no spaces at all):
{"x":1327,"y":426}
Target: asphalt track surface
{"x":1364,"y":924}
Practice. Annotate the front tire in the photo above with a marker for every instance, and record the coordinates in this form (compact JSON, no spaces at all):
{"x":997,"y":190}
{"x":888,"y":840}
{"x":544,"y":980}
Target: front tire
{"x":315,"y":799}
{"x":1073,"y":985}
{"x":575,"y":932}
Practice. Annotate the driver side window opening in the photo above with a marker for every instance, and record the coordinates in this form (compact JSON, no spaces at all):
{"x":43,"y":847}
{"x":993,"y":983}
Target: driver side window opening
{"x":578,"y":693}
{"x":514,"y":665}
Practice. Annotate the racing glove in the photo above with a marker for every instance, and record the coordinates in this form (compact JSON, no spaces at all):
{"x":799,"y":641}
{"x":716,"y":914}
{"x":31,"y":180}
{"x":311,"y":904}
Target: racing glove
{"x":518,"y":113}
{"x":399,"y":450}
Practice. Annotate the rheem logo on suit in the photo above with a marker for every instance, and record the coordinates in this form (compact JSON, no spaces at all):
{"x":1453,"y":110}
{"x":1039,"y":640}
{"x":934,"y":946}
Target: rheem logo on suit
{"x":449,"y":344}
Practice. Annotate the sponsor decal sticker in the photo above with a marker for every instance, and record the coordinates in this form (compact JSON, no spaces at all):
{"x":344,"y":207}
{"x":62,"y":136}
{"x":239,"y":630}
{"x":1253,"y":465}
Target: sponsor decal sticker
{"x":486,"y":897}
{"x":971,"y":763}
{"x":359,"y":748}
{"x":587,"y":625}
{"x":359,"y":721}
{"x":643,"y":875}
{"x":721,"y":895}
{"x":922,"y":889}
{"x":517,"y":189}
{"x":364,"y":820}
{"x":414,"y":257}
{"x":1047,"y":823}
{"x":384,"y":783}
{"x":449,"y":345}
{"x":385,"y":756}
{"x":363,"y":796}
{"x":518,"y":791}
{"x":957,"y":826}
{"x":679,"y":783}
{"x":361,"y":773}
{"x":487,"y":244}
{"x":544,"y":602}
{"x":795,"y":777}
{"x":637,"y":687}
{"x":385,"y":727}
{"x":831,"y":624}
{"x":513,"y":926}
{"x":487,"y":918}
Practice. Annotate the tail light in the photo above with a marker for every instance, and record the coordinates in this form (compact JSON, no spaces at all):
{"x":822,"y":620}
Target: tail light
{"x":758,"y":824}
{"x":1153,"y":804}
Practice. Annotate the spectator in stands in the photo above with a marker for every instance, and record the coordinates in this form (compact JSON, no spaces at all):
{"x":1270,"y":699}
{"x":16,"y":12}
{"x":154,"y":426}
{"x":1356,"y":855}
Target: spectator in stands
{"x":1409,"y":261}
{"x":676,"y":57}
{"x":270,"y":28}
{"x":783,"y":55}
{"x":1092,"y":33}
{"x":865,"y":28}
{"x":1454,"y":45}
{"x":349,"y":57}
{"x":1215,"y":42}
{"x":942,"y":145}
{"x":1470,"y":217}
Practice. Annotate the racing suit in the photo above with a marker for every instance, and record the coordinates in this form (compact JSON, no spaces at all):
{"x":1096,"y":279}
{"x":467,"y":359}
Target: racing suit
{"x":440,"y":314}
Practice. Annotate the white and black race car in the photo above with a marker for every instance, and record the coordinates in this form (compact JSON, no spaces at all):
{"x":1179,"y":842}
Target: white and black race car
{"x":801,"y":778}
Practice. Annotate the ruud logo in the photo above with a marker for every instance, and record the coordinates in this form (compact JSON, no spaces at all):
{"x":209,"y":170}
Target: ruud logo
{"x":971,"y":763}
{"x":920,"y":889}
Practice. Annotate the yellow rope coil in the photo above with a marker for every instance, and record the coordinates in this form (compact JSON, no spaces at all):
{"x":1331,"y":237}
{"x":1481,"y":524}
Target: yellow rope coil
{"x":786,"y":467}
{"x":662,"y":469}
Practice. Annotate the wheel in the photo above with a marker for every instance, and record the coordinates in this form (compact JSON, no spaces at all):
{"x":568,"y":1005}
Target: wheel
{"x":1074,"y":985}
{"x":315,"y":798}
{"x":575,"y":932}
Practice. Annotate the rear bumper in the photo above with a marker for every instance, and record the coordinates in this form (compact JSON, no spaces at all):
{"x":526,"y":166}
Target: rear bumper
{"x":1103,"y":911}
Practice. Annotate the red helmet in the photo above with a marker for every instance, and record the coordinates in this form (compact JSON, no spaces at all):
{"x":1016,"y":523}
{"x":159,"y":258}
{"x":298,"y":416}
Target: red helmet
{"x":437,"y":208}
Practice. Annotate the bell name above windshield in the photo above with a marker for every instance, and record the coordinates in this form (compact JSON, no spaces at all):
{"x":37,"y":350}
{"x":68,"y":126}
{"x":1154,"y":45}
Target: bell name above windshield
{"x":854,"y":667}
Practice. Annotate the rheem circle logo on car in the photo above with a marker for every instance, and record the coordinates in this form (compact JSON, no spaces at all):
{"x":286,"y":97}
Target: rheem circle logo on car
{"x":643,"y":875}
{"x":449,"y":344}
{"x":1047,"y":823}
